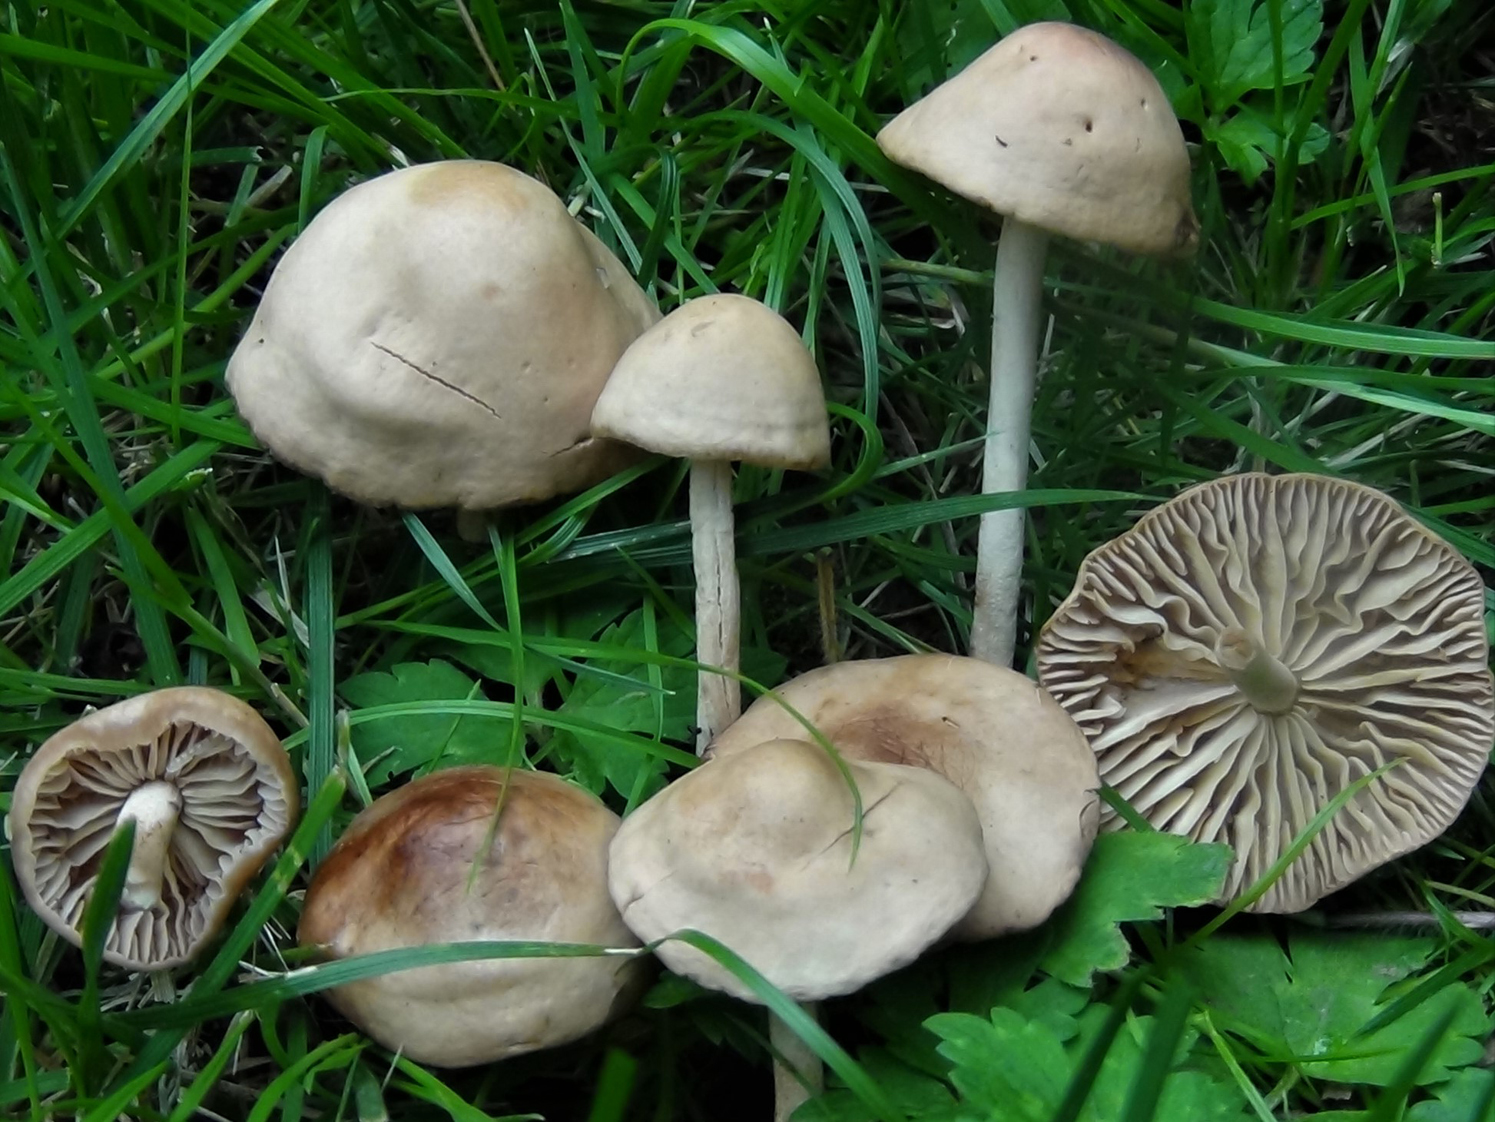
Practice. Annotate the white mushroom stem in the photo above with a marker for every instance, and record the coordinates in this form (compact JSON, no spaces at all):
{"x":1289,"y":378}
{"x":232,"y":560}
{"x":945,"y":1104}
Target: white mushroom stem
{"x":718,"y":598}
{"x":1268,"y":684}
{"x":797,"y":1072}
{"x":1016,"y":318}
{"x":154,"y":808}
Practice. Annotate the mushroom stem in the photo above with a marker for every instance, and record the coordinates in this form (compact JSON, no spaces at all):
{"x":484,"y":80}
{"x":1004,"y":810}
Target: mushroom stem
{"x":718,"y":610}
{"x":154,"y":808}
{"x":1268,"y":684}
{"x":797,"y":1072}
{"x":1016,"y":316}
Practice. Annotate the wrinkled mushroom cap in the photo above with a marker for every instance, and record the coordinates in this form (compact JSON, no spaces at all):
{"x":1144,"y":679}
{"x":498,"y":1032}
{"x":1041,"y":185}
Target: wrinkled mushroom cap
{"x":989,"y":730}
{"x":239,"y":799}
{"x":399,"y":877}
{"x":720,"y":378}
{"x":1257,"y":644}
{"x":755,"y":850}
{"x":438,"y":337}
{"x":1063,"y":129}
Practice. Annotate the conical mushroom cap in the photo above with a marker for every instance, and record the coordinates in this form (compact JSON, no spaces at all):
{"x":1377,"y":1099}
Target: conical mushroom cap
{"x":990,"y":731}
{"x":437,"y":337}
{"x":1256,"y":645}
{"x":236,"y":796}
{"x":756,"y":851}
{"x":1064,"y":129}
{"x":721,"y":377}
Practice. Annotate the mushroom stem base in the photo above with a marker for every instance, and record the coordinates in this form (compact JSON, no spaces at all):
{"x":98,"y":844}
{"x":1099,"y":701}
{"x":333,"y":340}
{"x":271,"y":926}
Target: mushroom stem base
{"x":154,"y":808}
{"x":797,"y":1072}
{"x":718,"y":597}
{"x":1017,"y":290}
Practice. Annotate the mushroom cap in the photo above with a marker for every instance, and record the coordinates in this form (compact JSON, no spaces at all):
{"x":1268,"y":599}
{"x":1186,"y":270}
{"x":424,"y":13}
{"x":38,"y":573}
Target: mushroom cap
{"x":990,"y":731}
{"x":437,"y":337}
{"x":1063,"y":129}
{"x":399,"y":877}
{"x":722,"y":377}
{"x":1365,"y":633}
{"x":239,"y":799}
{"x":756,"y":850}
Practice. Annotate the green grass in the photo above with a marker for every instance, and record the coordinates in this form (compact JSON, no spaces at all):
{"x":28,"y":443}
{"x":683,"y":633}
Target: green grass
{"x":155,"y":157}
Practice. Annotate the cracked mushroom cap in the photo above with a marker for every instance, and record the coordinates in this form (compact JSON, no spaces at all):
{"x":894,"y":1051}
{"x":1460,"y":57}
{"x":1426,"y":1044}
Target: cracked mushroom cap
{"x":402,"y":875}
{"x":721,"y":377}
{"x":438,"y":337}
{"x":211,"y":792}
{"x":1063,"y":129}
{"x":1254,"y":646}
{"x":990,"y":731}
{"x":756,"y":851}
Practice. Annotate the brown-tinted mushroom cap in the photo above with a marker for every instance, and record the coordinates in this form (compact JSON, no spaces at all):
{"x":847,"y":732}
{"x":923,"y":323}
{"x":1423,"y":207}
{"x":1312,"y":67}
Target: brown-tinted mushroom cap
{"x":992,"y":732}
{"x":226,"y":792}
{"x":756,"y":851}
{"x":437,"y":337}
{"x":1061,"y":128}
{"x":1256,"y":645}
{"x":722,"y":377}
{"x":402,"y":876}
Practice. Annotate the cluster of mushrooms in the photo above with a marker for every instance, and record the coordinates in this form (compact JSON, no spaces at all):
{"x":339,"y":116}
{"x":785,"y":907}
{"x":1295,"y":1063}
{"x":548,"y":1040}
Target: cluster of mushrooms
{"x":449,"y":335}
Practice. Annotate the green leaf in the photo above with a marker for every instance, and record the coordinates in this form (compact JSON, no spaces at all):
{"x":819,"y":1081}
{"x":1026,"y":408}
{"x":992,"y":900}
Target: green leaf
{"x":1231,"y":43}
{"x":394,"y":745}
{"x":918,"y":1095}
{"x":1130,"y":877}
{"x":1467,"y":1097}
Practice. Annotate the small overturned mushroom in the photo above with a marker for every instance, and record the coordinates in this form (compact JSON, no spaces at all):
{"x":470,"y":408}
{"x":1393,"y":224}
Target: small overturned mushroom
{"x":437,"y":337}
{"x":211,"y":793}
{"x":990,"y":731}
{"x":1063,"y":131}
{"x":1254,"y":646}
{"x":412,"y":870}
{"x":720,"y":378}
{"x":755,"y":849}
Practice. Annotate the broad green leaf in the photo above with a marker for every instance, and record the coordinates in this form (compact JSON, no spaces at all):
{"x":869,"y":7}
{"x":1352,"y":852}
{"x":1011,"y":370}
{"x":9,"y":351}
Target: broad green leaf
{"x":1467,"y":1097}
{"x":1129,"y":877}
{"x":395,"y":745}
{"x":920,"y":1096}
{"x":1231,"y":42}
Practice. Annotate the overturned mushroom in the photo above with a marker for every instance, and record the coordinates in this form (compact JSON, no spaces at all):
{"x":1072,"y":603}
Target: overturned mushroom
{"x":992,"y":732}
{"x":1065,"y":132}
{"x":211,"y":793}
{"x":427,"y":864}
{"x":1256,"y":645}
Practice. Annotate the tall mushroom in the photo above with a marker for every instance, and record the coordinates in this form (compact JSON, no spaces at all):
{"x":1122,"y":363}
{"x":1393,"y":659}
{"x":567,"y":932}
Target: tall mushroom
{"x":426,"y":864}
{"x":211,"y":793}
{"x":992,"y":732}
{"x":1256,"y":645}
{"x":437,"y":337}
{"x":1062,"y":131}
{"x":720,"y":378}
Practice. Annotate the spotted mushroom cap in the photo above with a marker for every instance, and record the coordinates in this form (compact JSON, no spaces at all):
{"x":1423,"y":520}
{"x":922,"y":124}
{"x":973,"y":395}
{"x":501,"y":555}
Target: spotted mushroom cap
{"x":991,"y":731}
{"x":238,"y":800}
{"x":1061,"y":128}
{"x":1251,"y":648}
{"x":413,"y":870}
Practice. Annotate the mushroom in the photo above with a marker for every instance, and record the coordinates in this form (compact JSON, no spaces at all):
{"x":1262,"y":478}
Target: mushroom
{"x":757,"y":850}
{"x":1256,"y":645}
{"x":209,"y":789}
{"x":437,"y":337}
{"x":1062,"y":131}
{"x":427,"y":864}
{"x":720,"y":378}
{"x":990,"y":731}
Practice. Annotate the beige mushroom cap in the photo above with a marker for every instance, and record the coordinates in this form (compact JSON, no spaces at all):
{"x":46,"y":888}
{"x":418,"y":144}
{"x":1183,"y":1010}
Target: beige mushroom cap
{"x":1254,"y":646}
{"x":236,"y":798}
{"x":438,"y":337}
{"x":399,"y":877}
{"x":721,"y":377}
{"x":989,"y":730}
{"x":1063,"y":129}
{"x":755,"y":850}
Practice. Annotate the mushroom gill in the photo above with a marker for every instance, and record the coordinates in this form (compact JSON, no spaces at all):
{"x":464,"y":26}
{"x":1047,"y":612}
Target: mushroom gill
{"x":1255,"y":646}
